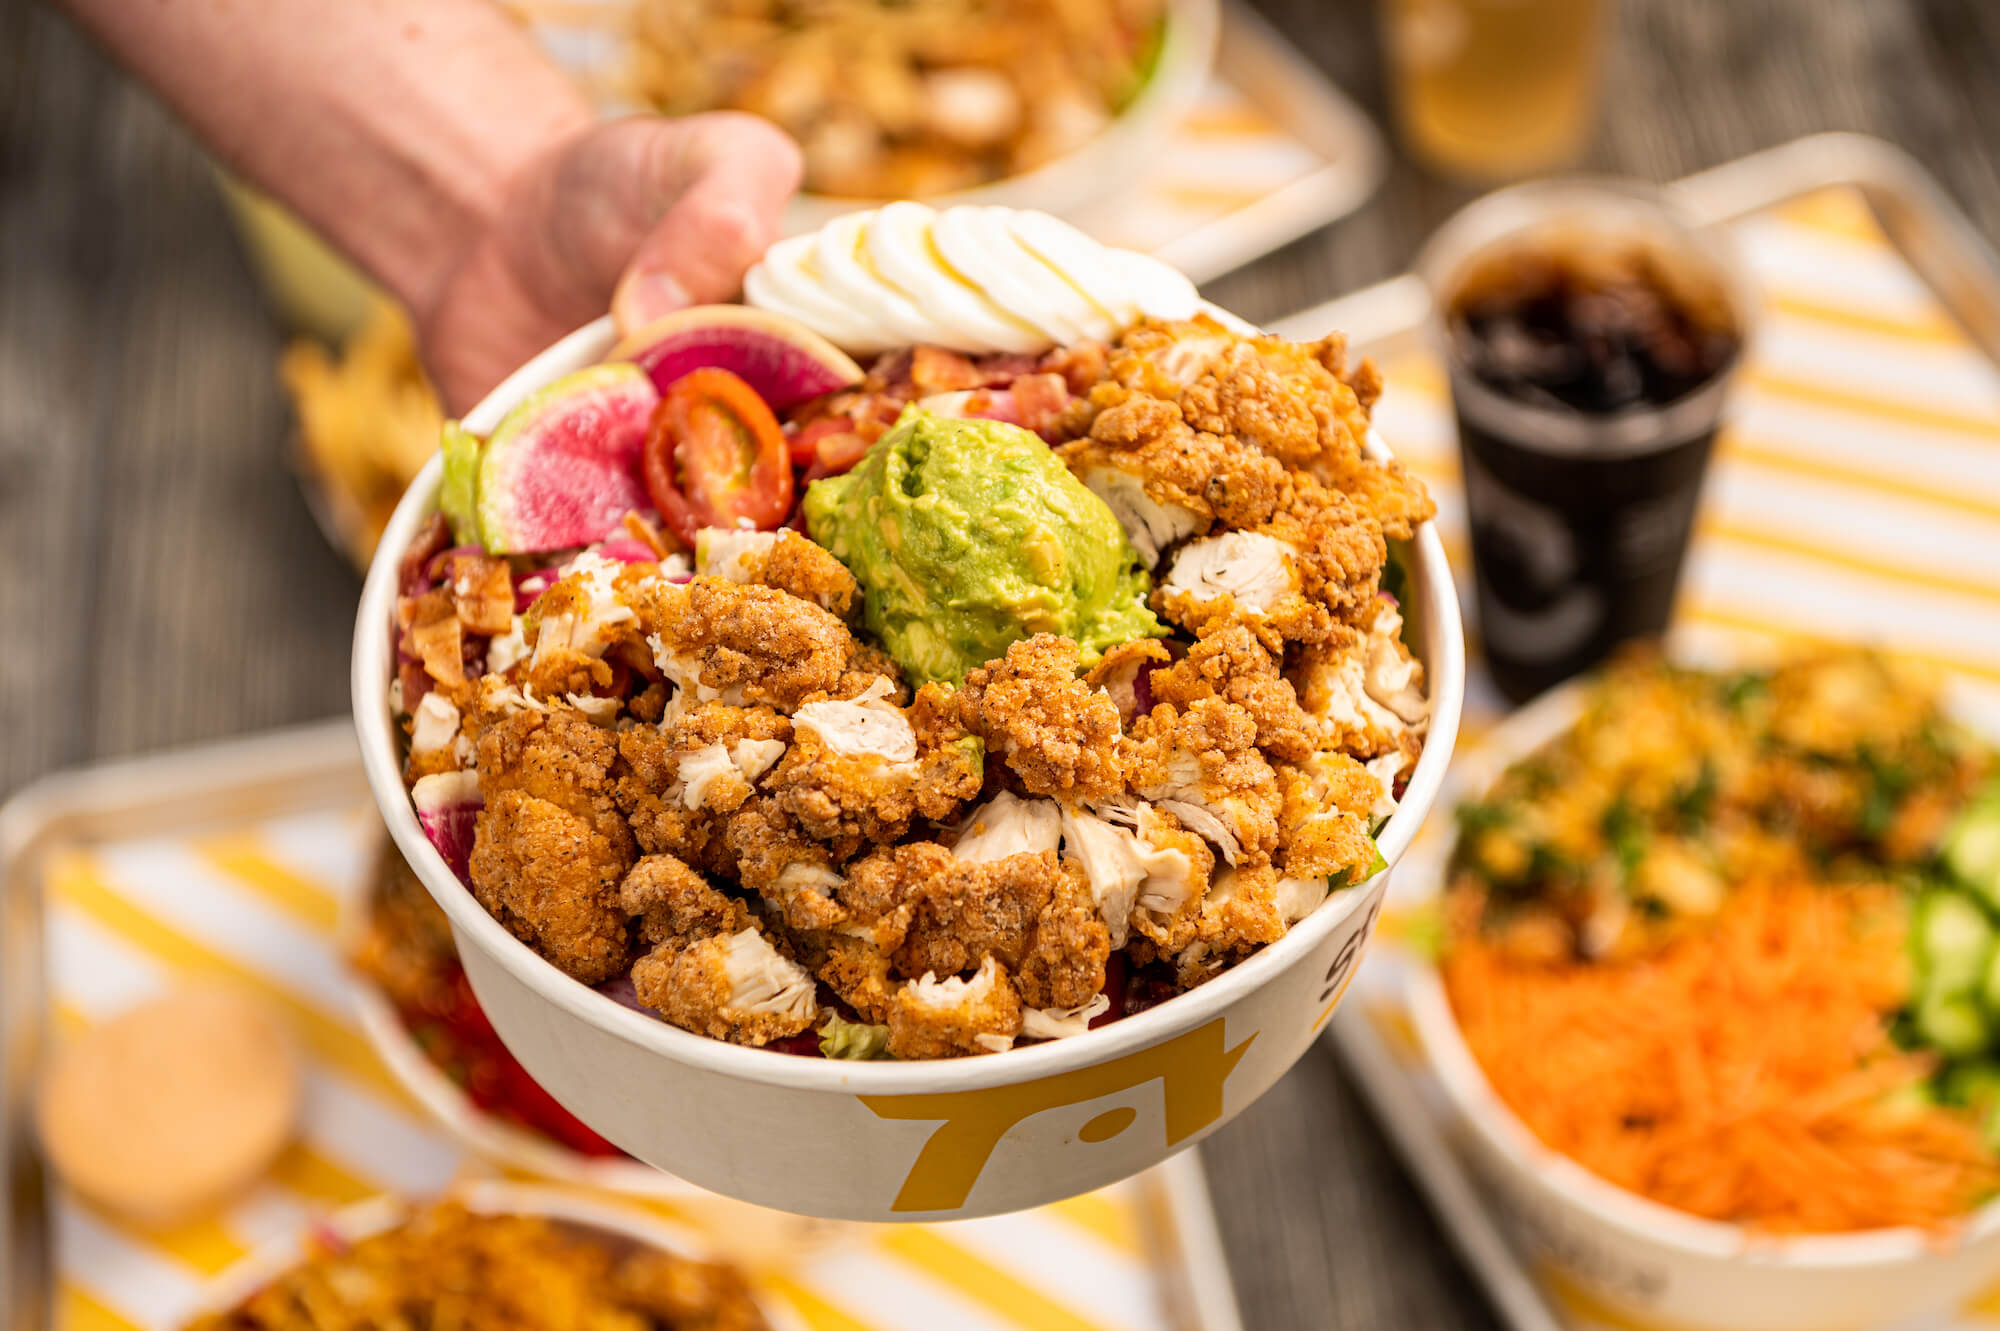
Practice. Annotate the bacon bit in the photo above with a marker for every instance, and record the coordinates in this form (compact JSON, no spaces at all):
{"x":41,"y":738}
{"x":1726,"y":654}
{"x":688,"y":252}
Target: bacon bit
{"x":805,"y":439}
{"x":935,"y":370}
{"x":1039,"y":400}
{"x":416,"y":681}
{"x":411,"y":574}
{"x":482,"y":592}
{"x":647,"y":534}
{"x":429,"y":608}
{"x":1081,"y":366}
{"x":441,"y":647}
{"x":840,"y":453}
{"x":1003,"y":368}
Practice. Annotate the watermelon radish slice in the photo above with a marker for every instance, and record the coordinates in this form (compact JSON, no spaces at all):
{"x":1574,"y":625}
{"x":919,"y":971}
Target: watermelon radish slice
{"x":785,"y":361}
{"x":563,"y":468}
{"x":448,"y":805}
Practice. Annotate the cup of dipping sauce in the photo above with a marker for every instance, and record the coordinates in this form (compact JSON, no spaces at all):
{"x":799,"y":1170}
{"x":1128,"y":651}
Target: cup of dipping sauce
{"x":1590,"y":334}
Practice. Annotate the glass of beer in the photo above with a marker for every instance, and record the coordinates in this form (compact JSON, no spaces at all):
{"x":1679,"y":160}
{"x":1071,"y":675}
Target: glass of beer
{"x":1495,"y":89}
{"x":1590,"y":334}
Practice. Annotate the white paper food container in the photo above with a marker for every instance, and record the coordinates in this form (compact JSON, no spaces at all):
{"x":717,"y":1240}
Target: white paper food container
{"x":945,"y":1139}
{"x":1657,"y":1267}
{"x":365,"y":1219}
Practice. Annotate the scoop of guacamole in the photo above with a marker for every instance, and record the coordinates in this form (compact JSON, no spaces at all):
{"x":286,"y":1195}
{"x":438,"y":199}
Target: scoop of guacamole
{"x":969,"y":535}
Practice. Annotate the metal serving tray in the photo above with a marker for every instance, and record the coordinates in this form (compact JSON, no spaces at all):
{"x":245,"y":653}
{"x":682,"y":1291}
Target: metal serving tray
{"x":315,"y":771}
{"x":1930,"y":235}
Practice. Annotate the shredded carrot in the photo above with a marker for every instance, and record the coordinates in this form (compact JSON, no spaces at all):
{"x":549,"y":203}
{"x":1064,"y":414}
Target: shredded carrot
{"x":1739,"y":1073}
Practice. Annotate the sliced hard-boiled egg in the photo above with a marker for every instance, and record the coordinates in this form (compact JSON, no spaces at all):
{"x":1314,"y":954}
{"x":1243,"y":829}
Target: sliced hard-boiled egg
{"x":900,"y":245}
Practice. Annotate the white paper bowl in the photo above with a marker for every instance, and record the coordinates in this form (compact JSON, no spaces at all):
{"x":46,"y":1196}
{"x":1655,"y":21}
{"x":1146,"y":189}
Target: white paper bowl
{"x":364,"y":1219}
{"x":945,"y":1139}
{"x":1655,"y":1265}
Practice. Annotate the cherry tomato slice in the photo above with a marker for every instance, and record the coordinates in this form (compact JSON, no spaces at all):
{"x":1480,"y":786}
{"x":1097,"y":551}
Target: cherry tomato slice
{"x":715,"y":456}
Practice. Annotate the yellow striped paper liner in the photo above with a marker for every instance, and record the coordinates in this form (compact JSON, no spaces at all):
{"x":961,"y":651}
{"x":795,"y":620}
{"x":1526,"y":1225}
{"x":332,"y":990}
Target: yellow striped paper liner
{"x":126,"y":920}
{"x":1788,"y":541}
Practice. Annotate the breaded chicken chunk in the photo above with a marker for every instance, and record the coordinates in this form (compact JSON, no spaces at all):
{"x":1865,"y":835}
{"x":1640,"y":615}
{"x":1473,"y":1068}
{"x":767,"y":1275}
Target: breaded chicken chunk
{"x":711,"y":971}
{"x":1367,"y":696}
{"x":783,"y":559}
{"x":1246,"y":907}
{"x":1028,"y":910}
{"x":933,"y":1018}
{"x":682,"y":780}
{"x":1229,"y":663}
{"x":1136,"y":862}
{"x":550,"y":845}
{"x":1165,"y":481}
{"x":720,"y":641}
{"x":1278,"y":396}
{"x":1118,"y":672}
{"x":794,"y":873}
{"x":1057,"y":734}
{"x":1329,"y":802}
{"x":572,"y":625}
{"x":1201,"y":764}
{"x":860,"y":769}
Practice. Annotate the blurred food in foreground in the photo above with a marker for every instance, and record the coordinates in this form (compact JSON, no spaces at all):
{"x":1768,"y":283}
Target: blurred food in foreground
{"x":171,"y":1107}
{"x":368,"y":421}
{"x":1728,"y":943}
{"x":909,"y":99}
{"x":449,"y":1267}
{"x":1495,"y":89}
{"x":405,"y":947}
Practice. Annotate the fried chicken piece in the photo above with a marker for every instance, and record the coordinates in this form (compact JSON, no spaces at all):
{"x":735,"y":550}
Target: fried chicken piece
{"x":1117,"y":673}
{"x":1143,"y":871}
{"x":550,"y":845}
{"x":791,"y":871}
{"x":1386,"y":491}
{"x":1057,"y":734}
{"x":933,"y":1018}
{"x":1008,"y":825}
{"x":783,"y":559}
{"x":859,"y":769}
{"x":1246,"y":907}
{"x":868,"y":664}
{"x":1201,"y":764}
{"x":1304,"y":576}
{"x":1027,"y":910}
{"x":1229,"y":663}
{"x":1166,"y":481}
{"x":720,"y":641}
{"x":1329,"y":802}
{"x":680,"y":782}
{"x":572,"y":625}
{"x":1367,"y":696}
{"x":1278,"y":396}
{"x":686,"y":1295}
{"x":711,"y":971}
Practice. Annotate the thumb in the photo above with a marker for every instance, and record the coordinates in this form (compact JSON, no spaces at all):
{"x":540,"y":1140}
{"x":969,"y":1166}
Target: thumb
{"x":720,"y":183}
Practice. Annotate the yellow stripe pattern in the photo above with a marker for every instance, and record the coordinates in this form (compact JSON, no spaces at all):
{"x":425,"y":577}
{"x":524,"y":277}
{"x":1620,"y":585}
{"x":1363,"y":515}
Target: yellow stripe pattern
{"x":120,"y":1289}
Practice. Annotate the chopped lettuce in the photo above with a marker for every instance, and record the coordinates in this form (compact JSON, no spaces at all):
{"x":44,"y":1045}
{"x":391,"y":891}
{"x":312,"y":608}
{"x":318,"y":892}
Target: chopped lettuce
{"x":852,"y":1039}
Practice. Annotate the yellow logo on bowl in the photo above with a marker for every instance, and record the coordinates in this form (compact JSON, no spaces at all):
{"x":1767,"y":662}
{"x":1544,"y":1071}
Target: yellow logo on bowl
{"x":1191,"y":1069}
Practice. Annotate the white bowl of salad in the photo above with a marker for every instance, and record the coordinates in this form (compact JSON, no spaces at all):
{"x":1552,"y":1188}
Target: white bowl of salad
{"x":1014,"y":825}
{"x":1718,"y":999}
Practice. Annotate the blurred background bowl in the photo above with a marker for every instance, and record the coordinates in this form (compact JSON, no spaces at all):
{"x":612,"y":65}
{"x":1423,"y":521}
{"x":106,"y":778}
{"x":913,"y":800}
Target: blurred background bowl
{"x":1651,"y":1263}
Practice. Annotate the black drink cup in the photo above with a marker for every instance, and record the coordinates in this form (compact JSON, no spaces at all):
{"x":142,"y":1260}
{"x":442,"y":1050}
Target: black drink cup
{"x":1590,"y":336}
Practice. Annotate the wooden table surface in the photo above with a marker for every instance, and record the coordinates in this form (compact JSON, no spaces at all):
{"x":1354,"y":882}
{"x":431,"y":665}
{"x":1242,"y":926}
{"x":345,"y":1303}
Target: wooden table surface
{"x":161,"y":582}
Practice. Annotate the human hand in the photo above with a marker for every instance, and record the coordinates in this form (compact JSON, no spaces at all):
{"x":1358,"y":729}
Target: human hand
{"x":644,"y":215}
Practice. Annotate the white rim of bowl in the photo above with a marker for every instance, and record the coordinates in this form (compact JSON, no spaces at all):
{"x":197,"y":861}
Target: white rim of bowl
{"x":373,"y":1215}
{"x":1480,"y":1107}
{"x":1431,"y":590}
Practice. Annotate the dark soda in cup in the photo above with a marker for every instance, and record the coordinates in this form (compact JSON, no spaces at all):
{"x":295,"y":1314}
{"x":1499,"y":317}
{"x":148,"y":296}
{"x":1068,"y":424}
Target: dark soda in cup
{"x":1589,"y":336}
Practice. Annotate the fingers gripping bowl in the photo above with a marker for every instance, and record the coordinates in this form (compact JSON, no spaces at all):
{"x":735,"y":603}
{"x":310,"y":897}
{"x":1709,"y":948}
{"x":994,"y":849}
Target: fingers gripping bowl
{"x":926,"y":1137}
